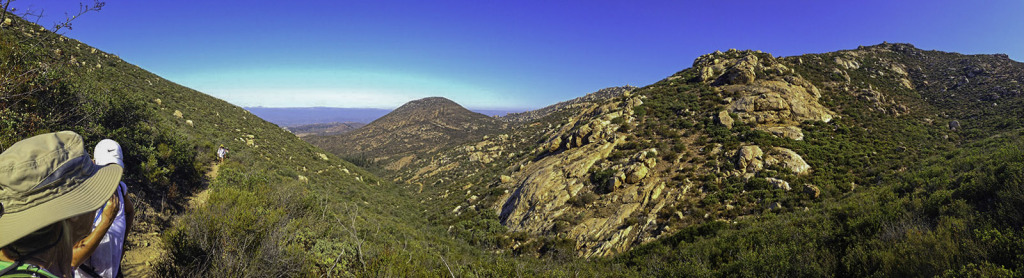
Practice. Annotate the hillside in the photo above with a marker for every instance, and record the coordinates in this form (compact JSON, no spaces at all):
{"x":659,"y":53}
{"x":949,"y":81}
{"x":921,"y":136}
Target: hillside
{"x":884,"y":160}
{"x":743,"y":143}
{"x":277,"y":207}
{"x":423,"y":125}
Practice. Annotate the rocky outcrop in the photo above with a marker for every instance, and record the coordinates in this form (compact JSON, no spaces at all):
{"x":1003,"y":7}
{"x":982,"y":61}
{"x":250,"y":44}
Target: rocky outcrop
{"x":597,"y":128}
{"x":505,"y":179}
{"x":724,"y":119}
{"x":791,"y":132}
{"x":777,"y":102}
{"x":546,"y":185}
{"x":762,"y":91}
{"x":642,"y":164}
{"x":847,"y":64}
{"x":603,"y":94}
{"x":751,"y":159}
{"x":779,"y":184}
{"x":788,"y":159}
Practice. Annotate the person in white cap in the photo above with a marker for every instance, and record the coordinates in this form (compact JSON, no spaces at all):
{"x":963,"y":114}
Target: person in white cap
{"x":222,"y":152}
{"x":100,"y":253}
{"x":49,"y":191}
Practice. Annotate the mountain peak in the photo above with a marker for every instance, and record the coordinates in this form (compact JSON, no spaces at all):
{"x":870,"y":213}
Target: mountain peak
{"x":431,"y":103}
{"x":412,"y":127}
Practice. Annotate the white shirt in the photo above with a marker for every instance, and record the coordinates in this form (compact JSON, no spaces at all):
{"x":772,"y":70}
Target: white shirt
{"x":106,"y":260}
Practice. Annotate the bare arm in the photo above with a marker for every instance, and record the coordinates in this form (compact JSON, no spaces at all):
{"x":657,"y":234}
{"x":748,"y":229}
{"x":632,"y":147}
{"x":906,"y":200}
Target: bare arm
{"x":84,"y":248}
{"x":129,"y":215}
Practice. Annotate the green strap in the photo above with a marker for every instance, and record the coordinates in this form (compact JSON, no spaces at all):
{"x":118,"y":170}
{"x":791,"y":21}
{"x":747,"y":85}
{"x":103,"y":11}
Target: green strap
{"x":7,"y":269}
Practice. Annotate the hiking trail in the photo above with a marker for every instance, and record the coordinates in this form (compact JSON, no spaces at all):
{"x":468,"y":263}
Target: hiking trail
{"x":143,"y":249}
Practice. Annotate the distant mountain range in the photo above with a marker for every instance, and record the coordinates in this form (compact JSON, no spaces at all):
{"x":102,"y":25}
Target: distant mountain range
{"x":298,"y":116}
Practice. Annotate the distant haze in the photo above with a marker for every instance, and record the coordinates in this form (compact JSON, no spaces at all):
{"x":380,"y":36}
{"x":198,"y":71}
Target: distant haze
{"x":295,"y":116}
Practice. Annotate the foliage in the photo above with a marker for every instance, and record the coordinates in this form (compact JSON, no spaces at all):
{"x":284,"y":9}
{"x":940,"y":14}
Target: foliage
{"x":901,"y":195}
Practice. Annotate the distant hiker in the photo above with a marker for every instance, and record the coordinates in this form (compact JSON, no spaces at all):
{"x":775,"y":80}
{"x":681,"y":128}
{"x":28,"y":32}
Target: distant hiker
{"x":107,"y":244}
{"x":49,"y":190}
{"x":222,"y":152}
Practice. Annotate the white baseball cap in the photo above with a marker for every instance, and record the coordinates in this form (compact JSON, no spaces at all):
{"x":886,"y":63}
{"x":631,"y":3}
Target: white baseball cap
{"x":107,"y":152}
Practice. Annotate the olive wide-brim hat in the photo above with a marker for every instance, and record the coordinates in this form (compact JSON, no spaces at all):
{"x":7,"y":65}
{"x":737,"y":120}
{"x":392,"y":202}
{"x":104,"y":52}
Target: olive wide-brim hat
{"x":49,"y":178}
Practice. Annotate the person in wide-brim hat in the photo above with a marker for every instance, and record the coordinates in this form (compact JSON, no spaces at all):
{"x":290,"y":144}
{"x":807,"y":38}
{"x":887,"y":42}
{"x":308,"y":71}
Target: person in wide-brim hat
{"x":47,"y":179}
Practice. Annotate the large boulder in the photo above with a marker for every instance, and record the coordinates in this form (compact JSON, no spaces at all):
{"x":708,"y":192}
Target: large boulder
{"x":848,"y":64}
{"x":776,"y":102}
{"x":506,"y":179}
{"x":742,"y":72}
{"x":749,"y":159}
{"x":779,"y":184}
{"x":788,"y":159}
{"x":790,"y":132}
{"x":724,"y":119}
{"x":554,"y":144}
{"x":635,"y":173}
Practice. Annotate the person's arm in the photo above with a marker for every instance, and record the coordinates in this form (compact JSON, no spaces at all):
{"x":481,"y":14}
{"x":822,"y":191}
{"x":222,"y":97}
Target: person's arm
{"x":129,"y":214}
{"x":84,"y":248}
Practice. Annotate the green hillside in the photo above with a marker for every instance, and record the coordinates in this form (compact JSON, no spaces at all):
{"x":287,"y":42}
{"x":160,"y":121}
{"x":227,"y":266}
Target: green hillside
{"x":913,"y":168}
{"x":917,"y":174}
{"x":277,"y":207}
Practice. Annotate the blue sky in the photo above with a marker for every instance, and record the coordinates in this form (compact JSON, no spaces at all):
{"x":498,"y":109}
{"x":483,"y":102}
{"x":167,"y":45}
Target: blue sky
{"x":496,"y":54}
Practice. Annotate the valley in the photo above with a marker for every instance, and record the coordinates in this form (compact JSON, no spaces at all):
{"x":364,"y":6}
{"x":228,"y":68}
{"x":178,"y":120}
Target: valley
{"x":882,"y":160}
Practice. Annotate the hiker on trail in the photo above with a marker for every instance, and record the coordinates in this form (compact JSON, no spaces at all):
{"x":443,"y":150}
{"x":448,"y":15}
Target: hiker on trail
{"x":108,"y":244}
{"x":49,"y":191}
{"x":222,"y":152}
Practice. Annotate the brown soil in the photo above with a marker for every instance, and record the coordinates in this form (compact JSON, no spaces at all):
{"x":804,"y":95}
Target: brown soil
{"x":144,"y":249}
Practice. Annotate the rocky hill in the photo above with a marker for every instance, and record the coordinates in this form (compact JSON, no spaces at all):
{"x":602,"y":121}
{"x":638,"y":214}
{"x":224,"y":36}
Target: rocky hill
{"x":424,"y":125}
{"x":606,"y":93}
{"x":738,"y":135}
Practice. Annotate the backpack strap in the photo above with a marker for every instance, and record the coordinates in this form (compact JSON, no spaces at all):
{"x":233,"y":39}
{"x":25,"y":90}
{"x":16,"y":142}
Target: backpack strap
{"x":20,"y":269}
{"x":8,"y":267}
{"x":89,"y":270}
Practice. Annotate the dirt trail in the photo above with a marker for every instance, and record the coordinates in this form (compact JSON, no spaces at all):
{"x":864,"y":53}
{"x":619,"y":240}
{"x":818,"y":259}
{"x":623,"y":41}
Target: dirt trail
{"x":144,"y":249}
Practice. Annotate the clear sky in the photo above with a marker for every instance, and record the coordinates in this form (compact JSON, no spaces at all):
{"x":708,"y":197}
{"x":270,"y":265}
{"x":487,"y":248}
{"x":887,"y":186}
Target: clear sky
{"x":497,"y":54}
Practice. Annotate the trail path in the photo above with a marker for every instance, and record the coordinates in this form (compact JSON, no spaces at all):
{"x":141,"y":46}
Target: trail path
{"x":144,"y":249}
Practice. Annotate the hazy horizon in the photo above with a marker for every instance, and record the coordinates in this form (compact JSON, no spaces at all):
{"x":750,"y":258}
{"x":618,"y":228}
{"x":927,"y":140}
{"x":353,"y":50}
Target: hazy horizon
{"x":296,"y":116}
